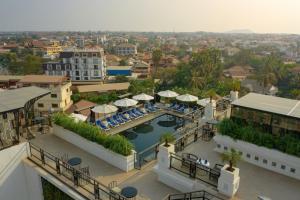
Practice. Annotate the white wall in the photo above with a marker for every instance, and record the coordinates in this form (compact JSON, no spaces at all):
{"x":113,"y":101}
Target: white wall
{"x":122,"y":162}
{"x":262,"y":154}
{"x":14,"y":182}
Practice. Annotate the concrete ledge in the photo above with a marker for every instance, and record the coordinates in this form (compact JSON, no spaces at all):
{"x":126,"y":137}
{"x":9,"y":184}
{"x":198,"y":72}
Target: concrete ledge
{"x":125,"y":163}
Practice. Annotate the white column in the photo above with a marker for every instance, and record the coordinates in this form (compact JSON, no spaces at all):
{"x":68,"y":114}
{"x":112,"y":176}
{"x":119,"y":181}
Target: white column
{"x":210,"y":110}
{"x":228,"y":182}
{"x":164,"y":155}
{"x":234,"y":95}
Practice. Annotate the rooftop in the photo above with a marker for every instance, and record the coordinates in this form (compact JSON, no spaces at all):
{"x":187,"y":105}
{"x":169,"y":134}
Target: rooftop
{"x":17,"y":98}
{"x":277,"y":105}
{"x":10,"y":77}
{"x":43,"y":79}
{"x":119,"y":67}
{"x":103,"y":87}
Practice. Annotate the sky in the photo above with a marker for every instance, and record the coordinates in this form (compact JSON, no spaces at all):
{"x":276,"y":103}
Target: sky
{"x":260,"y":16}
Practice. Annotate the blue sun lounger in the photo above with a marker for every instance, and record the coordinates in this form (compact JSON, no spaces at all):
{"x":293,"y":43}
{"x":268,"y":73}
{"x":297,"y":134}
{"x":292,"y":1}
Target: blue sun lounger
{"x":122,"y":116}
{"x":117,"y":119}
{"x":101,"y":125}
{"x":111,"y":122}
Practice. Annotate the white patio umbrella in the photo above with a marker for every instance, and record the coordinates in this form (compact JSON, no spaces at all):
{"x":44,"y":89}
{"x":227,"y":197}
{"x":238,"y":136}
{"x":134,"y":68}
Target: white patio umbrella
{"x":143,"y":97}
{"x":187,"y":98}
{"x":78,"y":117}
{"x":125,"y":102}
{"x":167,"y":93}
{"x":204,"y":102}
{"x":105,"y":109}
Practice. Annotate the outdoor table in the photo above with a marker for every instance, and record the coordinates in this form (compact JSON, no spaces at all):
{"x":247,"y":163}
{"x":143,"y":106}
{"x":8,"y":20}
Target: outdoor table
{"x":75,"y":161}
{"x":129,"y":192}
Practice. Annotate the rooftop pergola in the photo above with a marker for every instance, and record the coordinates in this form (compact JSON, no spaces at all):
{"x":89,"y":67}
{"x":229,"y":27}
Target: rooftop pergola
{"x":12,"y":101}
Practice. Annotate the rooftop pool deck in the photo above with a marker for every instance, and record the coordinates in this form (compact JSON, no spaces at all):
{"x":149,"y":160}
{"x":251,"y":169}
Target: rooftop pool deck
{"x":148,"y":133}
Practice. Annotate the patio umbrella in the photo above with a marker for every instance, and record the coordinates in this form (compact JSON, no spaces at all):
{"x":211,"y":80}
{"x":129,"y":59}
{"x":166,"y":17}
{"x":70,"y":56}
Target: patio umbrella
{"x":105,"y":109}
{"x":143,"y":97}
{"x":125,"y":102}
{"x":203,"y":102}
{"x":78,"y":117}
{"x":187,"y":98}
{"x":167,"y":93}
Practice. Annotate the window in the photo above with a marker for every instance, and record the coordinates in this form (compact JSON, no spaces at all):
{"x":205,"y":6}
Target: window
{"x":76,"y":55}
{"x":54,"y":105}
{"x":265,"y":161}
{"x":95,"y":60}
{"x":95,"y":66}
{"x":67,"y":89}
{"x":77,"y":78}
{"x":85,"y":73}
{"x":53,"y":95}
{"x":219,"y":146}
{"x":248,"y":155}
{"x":40,"y":105}
{"x":84,"y":60}
{"x":282,"y":167}
{"x":256,"y":158}
{"x":76,"y":66}
{"x":86,"y":78}
{"x":76,"y":60}
{"x":58,"y":67}
{"x":292,"y":170}
{"x":241,"y":153}
{"x":274,"y":164}
{"x":49,"y":67}
{"x":94,"y":54}
{"x":84,"y":55}
{"x":96,"y":73}
{"x":77,"y":73}
{"x":225,"y":148}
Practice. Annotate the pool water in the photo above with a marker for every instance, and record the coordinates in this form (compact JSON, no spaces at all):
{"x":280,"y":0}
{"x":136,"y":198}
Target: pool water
{"x":147,"y":134}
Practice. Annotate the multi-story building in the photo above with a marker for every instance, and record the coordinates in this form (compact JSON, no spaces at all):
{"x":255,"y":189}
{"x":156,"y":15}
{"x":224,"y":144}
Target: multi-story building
{"x":142,"y":69}
{"x":60,"y":87}
{"x":126,"y":49}
{"x":79,"y":64}
{"x":52,"y":50}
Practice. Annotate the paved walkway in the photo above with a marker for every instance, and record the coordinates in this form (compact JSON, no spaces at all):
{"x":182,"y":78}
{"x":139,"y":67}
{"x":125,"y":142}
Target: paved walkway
{"x":254,"y":180}
{"x":144,"y":180}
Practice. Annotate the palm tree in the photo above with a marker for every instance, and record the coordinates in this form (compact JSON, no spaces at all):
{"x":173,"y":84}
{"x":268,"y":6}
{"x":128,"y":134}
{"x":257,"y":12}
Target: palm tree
{"x":236,"y":85}
{"x":211,"y":93}
{"x":232,"y":158}
{"x":167,"y":138}
{"x":156,"y":56}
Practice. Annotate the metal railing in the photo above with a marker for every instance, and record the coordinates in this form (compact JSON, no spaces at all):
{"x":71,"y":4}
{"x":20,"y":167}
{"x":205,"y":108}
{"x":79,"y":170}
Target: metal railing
{"x":195,"y":170}
{"x":199,"y":195}
{"x":83,"y":184}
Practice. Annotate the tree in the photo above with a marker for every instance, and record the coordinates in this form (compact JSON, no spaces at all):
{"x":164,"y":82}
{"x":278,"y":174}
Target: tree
{"x":156,"y":57}
{"x":211,"y":93}
{"x":232,"y":157}
{"x":32,"y":64}
{"x":167,"y":138}
{"x":123,"y":63}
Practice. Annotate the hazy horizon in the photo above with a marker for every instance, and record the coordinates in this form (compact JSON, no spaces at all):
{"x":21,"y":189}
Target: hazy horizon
{"x":259,"y":16}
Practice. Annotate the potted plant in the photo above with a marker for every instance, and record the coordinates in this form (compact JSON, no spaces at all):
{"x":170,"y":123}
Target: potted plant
{"x":167,"y":138}
{"x":232,"y":157}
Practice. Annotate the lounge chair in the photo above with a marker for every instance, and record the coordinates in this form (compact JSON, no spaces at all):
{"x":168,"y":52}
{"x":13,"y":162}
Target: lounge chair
{"x":133,"y":114}
{"x":122,"y":116}
{"x":101,"y":125}
{"x":141,"y":111}
{"x":136,"y":111}
{"x":117,"y":119}
{"x":111,"y":122}
{"x":149,"y":108}
{"x":172,"y":105}
{"x":153,"y":106}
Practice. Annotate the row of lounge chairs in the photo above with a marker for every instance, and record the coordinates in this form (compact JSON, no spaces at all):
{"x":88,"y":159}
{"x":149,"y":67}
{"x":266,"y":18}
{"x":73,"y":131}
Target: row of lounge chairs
{"x":121,"y":118}
{"x":181,"y":107}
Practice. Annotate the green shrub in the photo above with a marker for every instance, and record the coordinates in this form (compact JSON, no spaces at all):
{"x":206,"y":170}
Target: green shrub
{"x":239,"y":131}
{"x":116,"y":143}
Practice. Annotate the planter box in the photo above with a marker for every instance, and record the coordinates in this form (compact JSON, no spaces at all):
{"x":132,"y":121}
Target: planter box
{"x":261,"y":156}
{"x":125,"y":163}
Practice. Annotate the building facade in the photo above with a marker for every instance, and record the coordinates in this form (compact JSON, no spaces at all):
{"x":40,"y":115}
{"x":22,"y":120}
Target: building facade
{"x":126,"y":49}
{"x":79,"y":65}
{"x":60,"y":87}
{"x":142,"y":69}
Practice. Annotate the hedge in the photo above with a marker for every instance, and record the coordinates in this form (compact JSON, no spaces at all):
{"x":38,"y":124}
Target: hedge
{"x":116,"y":143}
{"x":286,"y":144}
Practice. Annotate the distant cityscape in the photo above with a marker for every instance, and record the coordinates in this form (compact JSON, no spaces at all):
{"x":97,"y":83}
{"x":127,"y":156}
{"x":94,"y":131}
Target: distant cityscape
{"x":149,"y":115}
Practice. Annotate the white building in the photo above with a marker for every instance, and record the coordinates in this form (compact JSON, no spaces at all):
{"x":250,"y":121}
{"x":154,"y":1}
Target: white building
{"x":126,"y":49}
{"x":79,"y":64}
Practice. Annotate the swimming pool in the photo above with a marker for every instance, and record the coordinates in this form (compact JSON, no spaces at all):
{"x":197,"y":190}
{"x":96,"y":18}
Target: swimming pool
{"x":147,"y":134}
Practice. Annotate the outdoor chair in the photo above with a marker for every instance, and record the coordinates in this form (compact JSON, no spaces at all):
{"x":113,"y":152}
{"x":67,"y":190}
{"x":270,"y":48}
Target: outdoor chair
{"x":124,"y":117}
{"x":101,"y":125}
{"x":115,"y":118}
{"x":111,"y":122}
{"x":141,"y":111}
{"x":137,"y":112}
